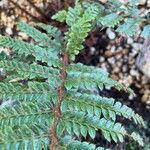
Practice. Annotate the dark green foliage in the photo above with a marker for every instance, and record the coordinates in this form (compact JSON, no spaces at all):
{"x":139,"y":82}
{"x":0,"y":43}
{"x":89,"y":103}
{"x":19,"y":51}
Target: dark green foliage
{"x":34,"y":84}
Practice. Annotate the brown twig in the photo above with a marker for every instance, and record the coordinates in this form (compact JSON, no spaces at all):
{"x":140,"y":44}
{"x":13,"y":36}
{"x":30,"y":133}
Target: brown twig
{"x":57,"y":111}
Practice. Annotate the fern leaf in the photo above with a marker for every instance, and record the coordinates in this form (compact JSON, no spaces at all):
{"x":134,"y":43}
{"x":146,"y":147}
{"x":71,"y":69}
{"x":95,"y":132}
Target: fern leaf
{"x":110,"y":20}
{"x":74,"y":42}
{"x":76,"y":69}
{"x":24,"y":137}
{"x":92,"y":124}
{"x":97,"y":105}
{"x":88,"y":77}
{"x":70,"y":144}
{"x":60,"y":16}
{"x":21,"y":47}
{"x":88,"y":4}
{"x":74,"y":14}
{"x":26,"y":113}
{"x":32,"y":91}
{"x":4,"y":56}
{"x":38,"y":36}
{"x":29,"y":71}
{"x":51,"y":31}
{"x":136,"y":137}
{"x":87,"y":81}
{"x":17,"y":45}
{"x":129,"y":27}
{"x":146,"y":31}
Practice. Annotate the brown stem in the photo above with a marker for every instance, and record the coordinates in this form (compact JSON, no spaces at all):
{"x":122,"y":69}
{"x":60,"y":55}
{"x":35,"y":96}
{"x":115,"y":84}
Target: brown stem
{"x":57,"y":110}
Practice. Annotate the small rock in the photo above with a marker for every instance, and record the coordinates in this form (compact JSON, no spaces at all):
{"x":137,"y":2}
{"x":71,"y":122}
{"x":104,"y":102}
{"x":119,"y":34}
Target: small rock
{"x":142,"y":2}
{"x":108,"y":53}
{"x":22,"y":35}
{"x":144,"y":80}
{"x":119,"y":64}
{"x":134,"y":52}
{"x":136,"y":46}
{"x":128,"y":80}
{"x":113,"y":48}
{"x":125,"y":51}
{"x":101,"y":59}
{"x":119,"y":56}
{"x":116,"y":70}
{"x":124,"y":68}
{"x":134,"y":73}
{"x":129,"y":40}
{"x":104,"y":66}
{"x":111,"y":60}
{"x":143,"y":59}
{"x":148,"y":3}
{"x":9,"y":30}
{"x":92,"y":50}
{"x":110,"y":34}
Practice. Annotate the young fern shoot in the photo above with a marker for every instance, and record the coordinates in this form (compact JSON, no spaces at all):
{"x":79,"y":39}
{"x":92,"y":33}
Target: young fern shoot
{"x":54,"y":105}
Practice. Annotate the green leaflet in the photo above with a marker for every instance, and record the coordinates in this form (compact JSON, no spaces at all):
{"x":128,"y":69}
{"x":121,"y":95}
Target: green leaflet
{"x":33,"y":91}
{"x":74,"y":42}
{"x":146,"y":31}
{"x":24,"y":137}
{"x":74,"y":14}
{"x":110,"y":20}
{"x":29,"y":70}
{"x":77,"y":120}
{"x":129,"y":27}
{"x":81,"y":76}
{"x":50,"y":30}
{"x":71,"y":144}
{"x":21,"y":47}
{"x":97,"y":105}
{"x":41,"y":38}
{"x":137,"y":138}
{"x":26,"y":113}
{"x":60,"y":16}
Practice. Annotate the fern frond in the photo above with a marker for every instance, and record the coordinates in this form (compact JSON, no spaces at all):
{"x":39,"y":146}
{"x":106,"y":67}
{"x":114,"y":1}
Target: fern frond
{"x":70,"y":144}
{"x":39,"y":37}
{"x":81,"y":76}
{"x":24,"y":137}
{"x":110,"y":20}
{"x":136,"y":137}
{"x":74,"y":14}
{"x":51,"y":96}
{"x":19,"y":46}
{"x":60,"y":16}
{"x":129,"y":27}
{"x":32,"y":91}
{"x":29,"y":70}
{"x":79,"y":68}
{"x":49,"y":56}
{"x":80,"y":124}
{"x":88,"y":4}
{"x":4,"y":56}
{"x":50,"y":30}
{"x":74,"y":42}
{"x":26,"y":113}
{"x":96,"y":105}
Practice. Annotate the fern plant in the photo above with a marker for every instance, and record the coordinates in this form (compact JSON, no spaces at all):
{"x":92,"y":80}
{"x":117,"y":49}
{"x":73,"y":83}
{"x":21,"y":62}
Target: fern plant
{"x":54,"y":106}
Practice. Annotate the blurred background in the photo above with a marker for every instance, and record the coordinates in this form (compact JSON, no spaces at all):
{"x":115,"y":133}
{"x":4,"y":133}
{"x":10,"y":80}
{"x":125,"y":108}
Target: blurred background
{"x":120,"y":56}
